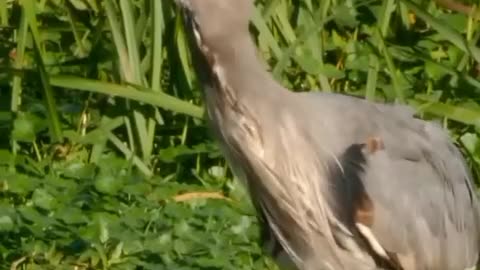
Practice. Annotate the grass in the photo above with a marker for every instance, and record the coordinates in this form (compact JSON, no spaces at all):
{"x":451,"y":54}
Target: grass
{"x":106,"y":161}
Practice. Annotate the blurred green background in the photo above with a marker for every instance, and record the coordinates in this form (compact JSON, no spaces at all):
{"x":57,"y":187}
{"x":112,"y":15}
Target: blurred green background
{"x":106,"y":161}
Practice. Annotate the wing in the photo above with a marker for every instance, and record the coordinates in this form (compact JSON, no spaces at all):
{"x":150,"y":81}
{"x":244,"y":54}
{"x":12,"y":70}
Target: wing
{"x":412,"y":200}
{"x":425,"y":210}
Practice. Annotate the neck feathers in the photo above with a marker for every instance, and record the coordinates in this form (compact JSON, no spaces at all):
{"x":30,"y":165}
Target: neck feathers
{"x":231,"y":67}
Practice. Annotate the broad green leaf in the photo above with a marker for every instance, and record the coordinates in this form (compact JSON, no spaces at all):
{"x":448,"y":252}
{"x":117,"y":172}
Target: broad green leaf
{"x":43,"y":199}
{"x":108,"y":183}
{"x":6,"y":224}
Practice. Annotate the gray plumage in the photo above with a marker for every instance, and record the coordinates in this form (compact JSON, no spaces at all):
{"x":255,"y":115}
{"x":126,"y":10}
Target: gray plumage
{"x":342,"y":183}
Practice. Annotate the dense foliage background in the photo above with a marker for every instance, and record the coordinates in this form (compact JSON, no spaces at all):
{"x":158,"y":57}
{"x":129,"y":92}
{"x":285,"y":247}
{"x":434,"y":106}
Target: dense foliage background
{"x":105,"y":161}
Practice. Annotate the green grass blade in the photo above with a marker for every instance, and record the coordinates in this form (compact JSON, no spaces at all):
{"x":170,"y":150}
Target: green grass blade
{"x":157,"y":44}
{"x":141,"y":131}
{"x":374,"y":64}
{"x":106,"y":125}
{"x":372,"y":77}
{"x":162,"y":100}
{"x":132,"y":46}
{"x":445,"y":30}
{"x":21,"y":39}
{"x":130,"y":155}
{"x":76,"y":34}
{"x":456,"y":113}
{"x":184,"y":51}
{"x":101,"y":134}
{"x":393,"y":71}
{"x":451,"y":70}
{"x":29,"y":8}
{"x":53,"y":116}
{"x":403,"y":10}
{"x":323,"y":11}
{"x":283,"y":24}
{"x":131,"y":138}
{"x":265,"y":34}
{"x":19,"y":58}
{"x":3,"y":13}
{"x":126,"y":69}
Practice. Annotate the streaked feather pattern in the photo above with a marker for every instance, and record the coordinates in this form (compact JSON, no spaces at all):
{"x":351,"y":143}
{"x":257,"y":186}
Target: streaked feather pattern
{"x":327,"y":199}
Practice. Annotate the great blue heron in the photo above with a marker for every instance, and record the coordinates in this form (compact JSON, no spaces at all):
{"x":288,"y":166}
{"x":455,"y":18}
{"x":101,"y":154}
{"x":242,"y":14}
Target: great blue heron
{"x":342,"y":183}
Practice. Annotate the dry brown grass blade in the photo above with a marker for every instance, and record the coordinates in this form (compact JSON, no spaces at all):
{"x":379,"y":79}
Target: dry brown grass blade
{"x":18,"y":262}
{"x":200,"y":195}
{"x":455,"y":6}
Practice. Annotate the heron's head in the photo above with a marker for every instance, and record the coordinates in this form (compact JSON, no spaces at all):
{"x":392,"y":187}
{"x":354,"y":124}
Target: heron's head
{"x":215,"y":21}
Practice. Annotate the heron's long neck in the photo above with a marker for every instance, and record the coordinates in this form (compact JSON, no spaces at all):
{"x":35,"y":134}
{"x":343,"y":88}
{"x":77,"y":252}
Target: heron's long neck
{"x":239,"y":71}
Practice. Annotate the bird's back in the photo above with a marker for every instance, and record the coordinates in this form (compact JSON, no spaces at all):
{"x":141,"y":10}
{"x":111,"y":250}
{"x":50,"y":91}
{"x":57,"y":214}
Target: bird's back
{"x":424,"y":210}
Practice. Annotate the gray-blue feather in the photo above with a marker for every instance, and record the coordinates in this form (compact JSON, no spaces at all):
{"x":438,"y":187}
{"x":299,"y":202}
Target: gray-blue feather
{"x":328,"y":196}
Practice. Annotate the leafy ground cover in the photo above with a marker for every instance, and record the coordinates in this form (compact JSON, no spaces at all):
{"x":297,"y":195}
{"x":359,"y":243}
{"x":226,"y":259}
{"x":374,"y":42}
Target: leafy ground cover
{"x":105,"y":159}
